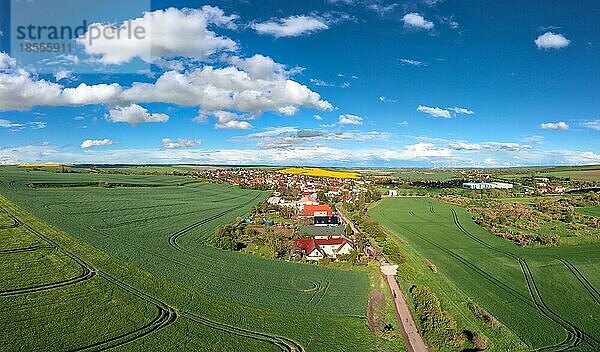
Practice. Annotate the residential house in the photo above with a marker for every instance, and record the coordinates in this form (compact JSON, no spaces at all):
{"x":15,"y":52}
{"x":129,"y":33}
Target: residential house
{"x":306,"y":200}
{"x":319,"y":248}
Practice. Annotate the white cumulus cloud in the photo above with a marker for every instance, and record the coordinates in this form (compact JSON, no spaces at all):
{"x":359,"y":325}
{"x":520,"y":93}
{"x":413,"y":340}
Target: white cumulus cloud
{"x":166,"y":33}
{"x":291,"y":26}
{"x":555,"y":126}
{"x":551,"y":40}
{"x":435,"y":112}
{"x":462,"y":111}
{"x":263,"y":87}
{"x":349,"y":119}
{"x":135,"y":115}
{"x":465,"y":146}
{"x":89,"y":143}
{"x":230,"y":120}
{"x":416,"y":20}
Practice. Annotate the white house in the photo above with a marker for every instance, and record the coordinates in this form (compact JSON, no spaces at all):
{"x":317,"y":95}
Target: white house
{"x":330,"y":247}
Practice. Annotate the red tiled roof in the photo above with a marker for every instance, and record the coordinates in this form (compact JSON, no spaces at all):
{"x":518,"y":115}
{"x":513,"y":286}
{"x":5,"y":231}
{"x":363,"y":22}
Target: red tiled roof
{"x":309,"y":210}
{"x":309,"y":245}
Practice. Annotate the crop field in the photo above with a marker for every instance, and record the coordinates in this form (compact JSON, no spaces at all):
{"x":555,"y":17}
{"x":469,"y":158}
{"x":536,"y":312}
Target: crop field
{"x":91,"y":262}
{"x":312,"y":171}
{"x":426,"y":175}
{"x":591,"y":211}
{"x":549,"y":297}
{"x":583,"y":175}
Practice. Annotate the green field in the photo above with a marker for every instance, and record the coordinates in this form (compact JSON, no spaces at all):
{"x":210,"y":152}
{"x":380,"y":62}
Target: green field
{"x":582,"y":175}
{"x":425,"y":175}
{"x":125,"y":265}
{"x":591,"y":211}
{"x":549,"y":297}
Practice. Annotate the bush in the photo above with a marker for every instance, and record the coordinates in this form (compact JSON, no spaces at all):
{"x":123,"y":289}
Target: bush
{"x":439,"y":327}
{"x":482,"y":314}
{"x":228,"y":237}
{"x":431,"y":266}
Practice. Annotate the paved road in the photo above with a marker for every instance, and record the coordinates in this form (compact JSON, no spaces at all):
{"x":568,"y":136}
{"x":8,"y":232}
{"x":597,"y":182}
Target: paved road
{"x":410,"y":333}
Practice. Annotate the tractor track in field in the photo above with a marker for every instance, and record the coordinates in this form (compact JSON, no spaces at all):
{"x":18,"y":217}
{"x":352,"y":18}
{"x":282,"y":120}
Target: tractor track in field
{"x":582,"y":279}
{"x":130,"y":222}
{"x":166,"y":316}
{"x":574,"y":335}
{"x":477,"y":239}
{"x":320,"y":292}
{"x":176,"y":235}
{"x":322,"y":295}
{"x":199,"y":269}
{"x":87,"y":273}
{"x":118,"y":210}
{"x":282,"y":343}
{"x":25,"y":249}
{"x":16,"y":222}
{"x":509,"y":290}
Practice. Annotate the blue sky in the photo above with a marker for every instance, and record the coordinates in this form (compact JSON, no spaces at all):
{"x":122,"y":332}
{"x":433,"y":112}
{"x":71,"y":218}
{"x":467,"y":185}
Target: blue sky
{"x":345,"y":82}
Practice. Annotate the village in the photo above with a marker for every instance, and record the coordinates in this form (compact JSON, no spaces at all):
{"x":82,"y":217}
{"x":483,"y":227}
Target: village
{"x":300,"y":221}
{"x":303,"y":219}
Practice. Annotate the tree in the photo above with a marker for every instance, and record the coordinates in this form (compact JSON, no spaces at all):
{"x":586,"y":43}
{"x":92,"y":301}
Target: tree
{"x":349,"y":231}
{"x":277,"y":243}
{"x":227,"y":237}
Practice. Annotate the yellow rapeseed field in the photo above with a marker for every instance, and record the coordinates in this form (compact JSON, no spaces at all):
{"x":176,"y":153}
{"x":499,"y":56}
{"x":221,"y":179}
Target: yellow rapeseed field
{"x":313,"y":171}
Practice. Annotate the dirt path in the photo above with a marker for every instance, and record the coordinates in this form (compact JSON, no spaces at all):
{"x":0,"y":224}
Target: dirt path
{"x":411,"y":335}
{"x":413,"y":340}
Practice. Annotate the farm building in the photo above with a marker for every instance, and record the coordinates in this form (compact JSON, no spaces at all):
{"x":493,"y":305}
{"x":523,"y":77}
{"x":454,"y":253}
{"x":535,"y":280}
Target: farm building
{"x":322,"y":231}
{"x":502,"y":185}
{"x":319,"y":248}
{"x":326,"y":221}
{"x":477,"y":185}
{"x":487,"y":185}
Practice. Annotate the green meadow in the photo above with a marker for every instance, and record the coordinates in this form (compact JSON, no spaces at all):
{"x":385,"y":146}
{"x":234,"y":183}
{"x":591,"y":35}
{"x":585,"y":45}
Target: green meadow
{"x":549,"y":297}
{"x":92,"y":262}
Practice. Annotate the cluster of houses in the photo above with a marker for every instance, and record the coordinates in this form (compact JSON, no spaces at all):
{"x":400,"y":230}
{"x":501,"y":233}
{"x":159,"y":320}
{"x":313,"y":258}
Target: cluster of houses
{"x":543,"y":187}
{"x":342,"y":190}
